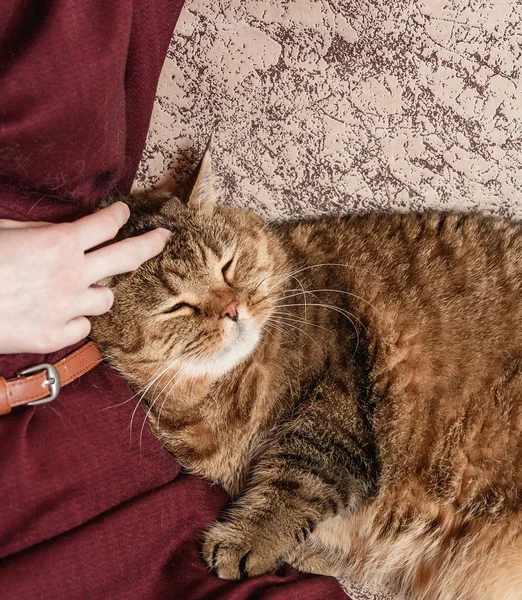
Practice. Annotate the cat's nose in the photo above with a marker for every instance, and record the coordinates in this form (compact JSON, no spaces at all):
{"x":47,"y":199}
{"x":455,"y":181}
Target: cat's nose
{"x":230,"y":311}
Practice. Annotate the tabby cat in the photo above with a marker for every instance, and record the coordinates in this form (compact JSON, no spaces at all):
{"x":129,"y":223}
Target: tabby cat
{"x":354,"y":383}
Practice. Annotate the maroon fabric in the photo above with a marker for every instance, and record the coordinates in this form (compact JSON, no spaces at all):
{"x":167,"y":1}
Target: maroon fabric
{"x":86,"y":509}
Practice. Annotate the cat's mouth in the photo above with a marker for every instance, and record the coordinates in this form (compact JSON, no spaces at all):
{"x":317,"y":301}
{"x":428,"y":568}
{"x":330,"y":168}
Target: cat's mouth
{"x":239,"y":340}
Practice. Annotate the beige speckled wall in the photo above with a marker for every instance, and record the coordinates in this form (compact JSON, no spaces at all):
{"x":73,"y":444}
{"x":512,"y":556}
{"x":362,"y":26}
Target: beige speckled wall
{"x":320,"y":106}
{"x":332,"y":105}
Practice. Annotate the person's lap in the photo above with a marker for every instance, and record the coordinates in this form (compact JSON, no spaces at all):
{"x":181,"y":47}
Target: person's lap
{"x":89,"y":512}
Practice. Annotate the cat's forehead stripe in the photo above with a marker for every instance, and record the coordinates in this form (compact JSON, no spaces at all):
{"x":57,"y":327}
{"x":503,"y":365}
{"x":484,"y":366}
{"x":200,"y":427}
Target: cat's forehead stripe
{"x":214,"y":248}
{"x":202,"y":253}
{"x":167,"y":283}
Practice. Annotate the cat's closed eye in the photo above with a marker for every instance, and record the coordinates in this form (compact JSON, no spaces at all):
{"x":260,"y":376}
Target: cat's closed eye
{"x":177,"y":307}
{"x":225,"y":268}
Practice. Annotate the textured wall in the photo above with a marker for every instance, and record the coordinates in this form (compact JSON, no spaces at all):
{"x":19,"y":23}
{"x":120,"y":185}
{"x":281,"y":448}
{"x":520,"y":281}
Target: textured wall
{"x":333,"y":105}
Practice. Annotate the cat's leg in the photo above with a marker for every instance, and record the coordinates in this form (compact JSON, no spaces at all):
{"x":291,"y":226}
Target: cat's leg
{"x":314,"y":556}
{"x":321,"y":464}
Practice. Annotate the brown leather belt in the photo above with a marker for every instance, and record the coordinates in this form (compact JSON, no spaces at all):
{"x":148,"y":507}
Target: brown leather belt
{"x":42,"y":383}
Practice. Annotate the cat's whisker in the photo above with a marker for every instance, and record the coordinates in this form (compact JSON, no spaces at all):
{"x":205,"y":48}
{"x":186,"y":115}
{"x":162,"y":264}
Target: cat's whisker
{"x":270,"y":333}
{"x":275,"y":274}
{"x":148,"y":387}
{"x":341,"y":311}
{"x":323,"y":265}
{"x":123,"y":402}
{"x":288,"y":315}
{"x":142,"y":395}
{"x":158,"y":394}
{"x":332,"y":290}
{"x":176,"y":381}
{"x":281,"y":322}
{"x":262,"y":299}
{"x":176,"y":377}
{"x":189,"y":360}
{"x":304,"y":294}
{"x":287,"y":321}
{"x":273,"y":326}
{"x":338,"y":309}
{"x":108,"y":357}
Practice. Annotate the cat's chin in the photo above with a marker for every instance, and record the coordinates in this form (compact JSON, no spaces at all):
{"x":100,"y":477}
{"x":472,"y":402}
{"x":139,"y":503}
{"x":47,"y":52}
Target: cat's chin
{"x":237,"y":348}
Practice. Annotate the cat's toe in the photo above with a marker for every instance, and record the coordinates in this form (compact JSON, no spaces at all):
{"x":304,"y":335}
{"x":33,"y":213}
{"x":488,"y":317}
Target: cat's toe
{"x":232,"y":553}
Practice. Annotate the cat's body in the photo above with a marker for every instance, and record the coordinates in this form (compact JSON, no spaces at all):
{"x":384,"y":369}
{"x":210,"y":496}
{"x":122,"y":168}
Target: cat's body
{"x":364,"y":404}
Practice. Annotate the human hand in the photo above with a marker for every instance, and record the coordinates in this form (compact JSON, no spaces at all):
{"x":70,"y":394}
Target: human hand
{"x":48,"y":277}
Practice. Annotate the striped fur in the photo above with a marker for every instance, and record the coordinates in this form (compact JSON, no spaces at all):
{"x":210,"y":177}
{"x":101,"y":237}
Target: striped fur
{"x":374,"y":424}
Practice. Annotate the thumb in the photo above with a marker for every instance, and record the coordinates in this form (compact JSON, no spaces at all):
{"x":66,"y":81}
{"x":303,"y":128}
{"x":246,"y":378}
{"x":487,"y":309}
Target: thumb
{"x":9,"y":224}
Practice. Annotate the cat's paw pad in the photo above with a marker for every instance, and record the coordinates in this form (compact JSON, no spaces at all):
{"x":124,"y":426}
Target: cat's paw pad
{"x":233,"y":552}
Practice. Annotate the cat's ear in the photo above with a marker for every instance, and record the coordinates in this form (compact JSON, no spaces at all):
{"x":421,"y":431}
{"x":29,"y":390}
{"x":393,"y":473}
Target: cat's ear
{"x":203,"y":196}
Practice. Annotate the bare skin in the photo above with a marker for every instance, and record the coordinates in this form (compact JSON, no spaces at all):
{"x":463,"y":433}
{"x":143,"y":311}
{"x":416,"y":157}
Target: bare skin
{"x":49,"y":274}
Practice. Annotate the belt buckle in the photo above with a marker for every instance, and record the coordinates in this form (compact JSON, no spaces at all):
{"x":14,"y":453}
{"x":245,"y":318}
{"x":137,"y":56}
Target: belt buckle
{"x":53,"y":381}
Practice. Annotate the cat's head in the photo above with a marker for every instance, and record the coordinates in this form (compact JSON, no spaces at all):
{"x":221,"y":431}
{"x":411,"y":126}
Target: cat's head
{"x":203,"y":303}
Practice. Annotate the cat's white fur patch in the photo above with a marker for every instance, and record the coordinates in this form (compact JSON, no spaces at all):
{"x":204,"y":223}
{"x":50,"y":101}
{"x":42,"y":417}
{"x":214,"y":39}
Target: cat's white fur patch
{"x":240,"y":340}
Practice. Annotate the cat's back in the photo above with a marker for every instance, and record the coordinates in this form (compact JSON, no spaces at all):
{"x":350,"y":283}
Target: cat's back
{"x":447,"y":245}
{"x":442,"y":271}
{"x":437,"y":301}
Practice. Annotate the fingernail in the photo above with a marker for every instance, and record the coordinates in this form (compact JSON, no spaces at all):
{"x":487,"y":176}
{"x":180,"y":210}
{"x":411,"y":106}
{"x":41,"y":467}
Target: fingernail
{"x":165,"y":234}
{"x":126,"y":208}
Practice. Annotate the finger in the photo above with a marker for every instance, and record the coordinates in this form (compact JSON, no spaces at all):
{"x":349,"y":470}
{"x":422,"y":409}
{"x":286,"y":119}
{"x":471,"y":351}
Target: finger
{"x":75,"y":330}
{"x":126,"y":255}
{"x":101,"y":226}
{"x":97,"y":300}
{"x":9,"y":224}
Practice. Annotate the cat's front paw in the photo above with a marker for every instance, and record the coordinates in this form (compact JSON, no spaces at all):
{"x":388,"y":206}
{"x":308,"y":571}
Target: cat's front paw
{"x":236,"y":551}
